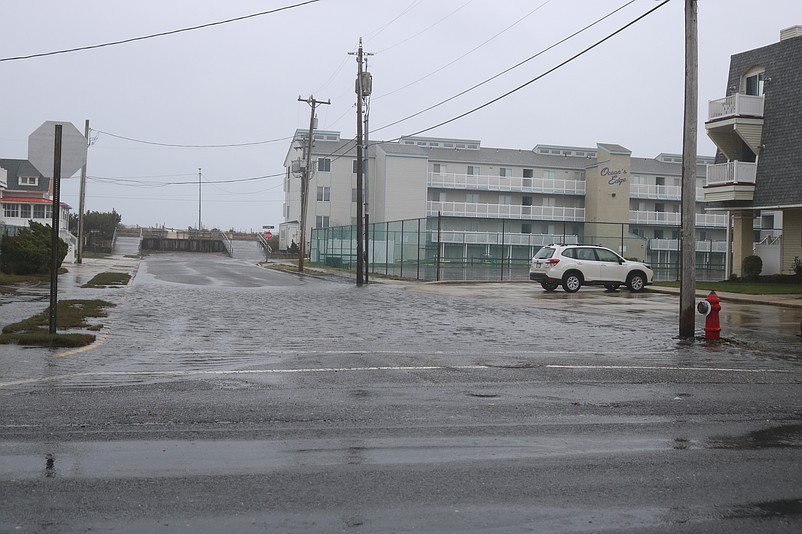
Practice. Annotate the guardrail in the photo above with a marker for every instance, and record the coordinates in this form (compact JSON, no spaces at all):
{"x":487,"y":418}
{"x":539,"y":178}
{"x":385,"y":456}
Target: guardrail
{"x":260,"y":239}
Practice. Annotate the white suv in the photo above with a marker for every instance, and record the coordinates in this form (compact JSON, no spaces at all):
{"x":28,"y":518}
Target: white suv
{"x":573,"y":266}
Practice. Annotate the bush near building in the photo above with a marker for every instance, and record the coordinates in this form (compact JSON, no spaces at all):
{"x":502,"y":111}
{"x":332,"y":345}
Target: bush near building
{"x":751,"y":267}
{"x":29,"y":252}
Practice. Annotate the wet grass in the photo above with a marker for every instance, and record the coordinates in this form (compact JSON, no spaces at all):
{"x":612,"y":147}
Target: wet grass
{"x":109,"y":279}
{"x":70,"y":314}
{"x":791,"y":287}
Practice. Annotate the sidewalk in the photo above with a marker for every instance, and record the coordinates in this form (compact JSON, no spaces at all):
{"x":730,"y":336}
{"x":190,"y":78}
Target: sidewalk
{"x":791,"y":301}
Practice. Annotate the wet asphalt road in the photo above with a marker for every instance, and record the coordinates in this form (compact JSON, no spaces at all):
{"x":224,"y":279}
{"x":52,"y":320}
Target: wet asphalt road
{"x":227,"y":397}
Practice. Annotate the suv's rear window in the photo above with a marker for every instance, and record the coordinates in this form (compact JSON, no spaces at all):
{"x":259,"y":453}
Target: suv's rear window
{"x":544,"y":253}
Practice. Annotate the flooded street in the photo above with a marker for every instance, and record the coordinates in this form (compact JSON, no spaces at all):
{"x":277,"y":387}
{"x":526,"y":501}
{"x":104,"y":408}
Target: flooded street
{"x":225,"y":396}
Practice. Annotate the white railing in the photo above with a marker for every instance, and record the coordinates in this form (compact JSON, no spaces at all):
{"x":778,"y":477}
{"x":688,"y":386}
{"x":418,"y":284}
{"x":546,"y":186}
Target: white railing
{"x":496,"y":238}
{"x":659,"y":192}
{"x":731,"y":172}
{"x":701,"y":246}
{"x":505,"y":211}
{"x":484,"y":182}
{"x":735,"y":104}
{"x":675,"y":219}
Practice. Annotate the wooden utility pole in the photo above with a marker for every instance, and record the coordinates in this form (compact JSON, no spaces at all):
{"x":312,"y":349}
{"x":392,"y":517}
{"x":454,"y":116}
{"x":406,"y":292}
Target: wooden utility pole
{"x":306,"y":175}
{"x":200,"y":182}
{"x":359,"y":172}
{"x":82,"y":201}
{"x":687,"y":321}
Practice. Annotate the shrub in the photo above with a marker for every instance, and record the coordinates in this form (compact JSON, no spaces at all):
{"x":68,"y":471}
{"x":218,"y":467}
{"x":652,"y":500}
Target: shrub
{"x":751,"y":267}
{"x":29,"y":252}
{"x":797,"y":266}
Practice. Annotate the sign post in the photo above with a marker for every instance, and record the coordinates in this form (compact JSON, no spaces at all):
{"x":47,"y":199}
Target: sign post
{"x":67,"y":146}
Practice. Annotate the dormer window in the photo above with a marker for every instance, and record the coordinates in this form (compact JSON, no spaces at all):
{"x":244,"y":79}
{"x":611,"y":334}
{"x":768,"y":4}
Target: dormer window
{"x":31,"y":181}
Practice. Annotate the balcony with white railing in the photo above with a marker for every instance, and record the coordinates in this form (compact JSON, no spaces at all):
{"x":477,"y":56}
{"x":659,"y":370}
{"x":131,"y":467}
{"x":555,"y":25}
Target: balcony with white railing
{"x":736,"y":104}
{"x":701,"y":246}
{"x":496,"y":238}
{"x":505,"y":211}
{"x":734,"y":180}
{"x":484,"y":182}
{"x":664,"y":218}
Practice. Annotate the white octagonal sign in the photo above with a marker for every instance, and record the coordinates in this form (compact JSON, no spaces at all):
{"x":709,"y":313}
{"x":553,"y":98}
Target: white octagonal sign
{"x":41,"y":147}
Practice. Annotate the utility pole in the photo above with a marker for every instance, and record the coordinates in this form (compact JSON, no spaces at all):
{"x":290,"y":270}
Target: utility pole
{"x":82,"y":200}
{"x":306,"y":175}
{"x":363,"y":88}
{"x":366,"y":82}
{"x":199,"y":199}
{"x":688,"y":246}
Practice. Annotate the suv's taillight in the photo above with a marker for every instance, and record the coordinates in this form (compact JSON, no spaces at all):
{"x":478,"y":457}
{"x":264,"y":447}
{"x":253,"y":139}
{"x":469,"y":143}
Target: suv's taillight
{"x":552,"y":261}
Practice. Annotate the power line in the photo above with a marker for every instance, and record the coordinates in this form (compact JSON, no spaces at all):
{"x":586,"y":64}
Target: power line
{"x":175,"y":145}
{"x":129,"y":181}
{"x":533,"y":80}
{"x":505,"y":71}
{"x":161,"y":34}
{"x":427,"y":28}
{"x":471,"y":51}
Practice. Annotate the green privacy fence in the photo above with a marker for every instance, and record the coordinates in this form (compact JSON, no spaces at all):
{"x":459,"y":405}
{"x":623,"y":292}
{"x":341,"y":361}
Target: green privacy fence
{"x":440,"y":248}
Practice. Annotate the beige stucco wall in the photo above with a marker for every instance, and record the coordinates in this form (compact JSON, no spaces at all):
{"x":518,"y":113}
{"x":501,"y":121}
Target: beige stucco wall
{"x":404,"y":187}
{"x":607,"y":199}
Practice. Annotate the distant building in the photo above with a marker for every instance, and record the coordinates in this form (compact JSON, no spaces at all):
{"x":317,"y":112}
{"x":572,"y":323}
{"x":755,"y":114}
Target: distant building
{"x":27,"y":195}
{"x":757,"y":128}
{"x":543,"y":195}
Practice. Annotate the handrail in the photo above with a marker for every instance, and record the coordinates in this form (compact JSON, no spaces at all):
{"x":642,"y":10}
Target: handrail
{"x":229,"y":246}
{"x":260,"y":239}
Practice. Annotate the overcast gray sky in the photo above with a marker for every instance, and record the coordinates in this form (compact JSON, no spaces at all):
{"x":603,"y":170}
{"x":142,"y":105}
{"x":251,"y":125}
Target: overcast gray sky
{"x":239,"y":83}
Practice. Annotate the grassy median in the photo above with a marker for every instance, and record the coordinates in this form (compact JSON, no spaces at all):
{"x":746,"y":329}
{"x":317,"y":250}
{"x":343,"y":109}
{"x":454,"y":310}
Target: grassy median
{"x":69,"y":314}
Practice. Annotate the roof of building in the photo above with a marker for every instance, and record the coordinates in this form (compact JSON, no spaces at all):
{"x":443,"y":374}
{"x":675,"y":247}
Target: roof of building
{"x":779,"y":171}
{"x":22,"y":167}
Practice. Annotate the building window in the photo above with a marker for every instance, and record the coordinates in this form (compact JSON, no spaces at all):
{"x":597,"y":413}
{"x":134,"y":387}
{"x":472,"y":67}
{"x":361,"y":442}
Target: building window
{"x":437,"y":168}
{"x":526,"y":228}
{"x":579,"y":176}
{"x":754,"y":84}
{"x":324,"y":194}
{"x":324,"y":165}
{"x":472,"y":226}
{"x":526,"y":200}
{"x":504,"y":172}
{"x":322,"y":221}
{"x":25,"y":211}
{"x":353,"y":167}
{"x":41,"y":211}
{"x":549,"y":202}
{"x":11,"y":210}
{"x":505,"y":199}
{"x":529,"y":173}
{"x":28,"y":180}
{"x":659,"y":206}
{"x":474,"y":170}
{"x":658,"y":234}
{"x":439,"y":196}
{"x":549,"y":175}
{"x":472,"y":198}
{"x":353,"y":194}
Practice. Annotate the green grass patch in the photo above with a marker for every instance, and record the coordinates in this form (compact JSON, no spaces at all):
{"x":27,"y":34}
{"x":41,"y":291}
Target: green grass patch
{"x":750,"y":288}
{"x":69,"y":314}
{"x":109,"y":279}
{"x":45,"y":339}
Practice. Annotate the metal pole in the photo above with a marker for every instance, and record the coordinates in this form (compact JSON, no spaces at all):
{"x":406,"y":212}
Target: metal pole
{"x":439,"y":227}
{"x":82,"y":200}
{"x":54,"y":238}
{"x":306,"y":175}
{"x":687,"y":321}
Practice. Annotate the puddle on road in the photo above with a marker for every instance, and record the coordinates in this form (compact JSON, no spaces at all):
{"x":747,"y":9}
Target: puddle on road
{"x":784,"y":436}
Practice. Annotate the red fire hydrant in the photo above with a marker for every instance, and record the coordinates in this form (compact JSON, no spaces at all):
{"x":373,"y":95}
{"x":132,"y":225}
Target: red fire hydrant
{"x":710,"y":308}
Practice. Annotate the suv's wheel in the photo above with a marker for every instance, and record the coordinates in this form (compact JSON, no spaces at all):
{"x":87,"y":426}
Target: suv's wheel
{"x":611,"y":287}
{"x":636,"y":282}
{"x":572,"y":282}
{"x":550,"y":286}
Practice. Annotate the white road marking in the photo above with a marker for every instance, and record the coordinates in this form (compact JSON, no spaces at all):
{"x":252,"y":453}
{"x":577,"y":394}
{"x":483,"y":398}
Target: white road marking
{"x":222,"y":372}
